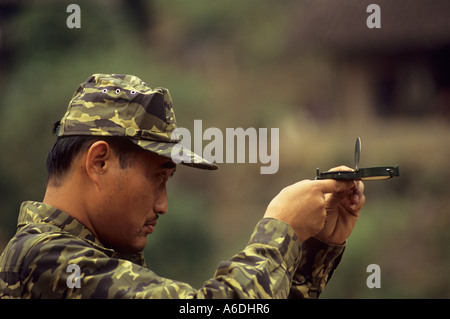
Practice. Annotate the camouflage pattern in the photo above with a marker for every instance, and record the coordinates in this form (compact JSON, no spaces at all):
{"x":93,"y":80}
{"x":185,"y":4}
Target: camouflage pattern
{"x":274,"y":264}
{"x":313,"y":274}
{"x":124,"y":105}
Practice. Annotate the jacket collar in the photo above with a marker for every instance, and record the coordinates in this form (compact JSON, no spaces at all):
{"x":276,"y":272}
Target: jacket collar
{"x":40,"y":213}
{"x":36,"y":212}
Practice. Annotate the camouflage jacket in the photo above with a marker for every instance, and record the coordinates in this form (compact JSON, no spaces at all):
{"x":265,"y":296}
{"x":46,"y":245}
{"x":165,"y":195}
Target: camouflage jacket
{"x":35,"y":264}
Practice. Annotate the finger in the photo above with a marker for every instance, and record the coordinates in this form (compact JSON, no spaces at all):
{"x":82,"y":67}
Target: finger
{"x":358,"y":188}
{"x":357,"y":197}
{"x":341,"y":168}
{"x":334,"y":186}
{"x":356,"y":206}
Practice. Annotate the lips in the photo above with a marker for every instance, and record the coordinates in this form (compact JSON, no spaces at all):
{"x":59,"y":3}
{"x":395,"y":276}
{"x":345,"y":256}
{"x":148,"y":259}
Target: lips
{"x":149,"y":225}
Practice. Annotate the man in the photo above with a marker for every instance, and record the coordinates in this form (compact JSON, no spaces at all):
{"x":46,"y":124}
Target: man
{"x":107,"y":186}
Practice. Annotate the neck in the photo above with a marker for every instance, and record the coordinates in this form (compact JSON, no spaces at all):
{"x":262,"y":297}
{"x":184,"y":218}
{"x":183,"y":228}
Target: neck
{"x":70,"y":199}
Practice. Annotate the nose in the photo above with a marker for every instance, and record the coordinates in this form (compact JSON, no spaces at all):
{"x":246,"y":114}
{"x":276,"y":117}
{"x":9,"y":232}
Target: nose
{"x":161,"y":205}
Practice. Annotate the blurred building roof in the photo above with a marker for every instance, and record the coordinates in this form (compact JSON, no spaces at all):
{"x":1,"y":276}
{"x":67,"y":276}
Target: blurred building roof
{"x":340,"y":25}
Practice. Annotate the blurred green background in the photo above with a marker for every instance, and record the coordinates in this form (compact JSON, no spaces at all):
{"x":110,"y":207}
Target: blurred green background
{"x":311,"y":68}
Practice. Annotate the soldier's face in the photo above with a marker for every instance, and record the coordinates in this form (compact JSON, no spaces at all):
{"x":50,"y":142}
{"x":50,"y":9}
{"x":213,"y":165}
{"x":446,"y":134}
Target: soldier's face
{"x":132,"y":200}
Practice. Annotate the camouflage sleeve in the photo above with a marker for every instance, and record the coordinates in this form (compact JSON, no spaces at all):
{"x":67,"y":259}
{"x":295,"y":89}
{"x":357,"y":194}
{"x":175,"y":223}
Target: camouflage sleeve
{"x":319,"y":261}
{"x":264,"y":269}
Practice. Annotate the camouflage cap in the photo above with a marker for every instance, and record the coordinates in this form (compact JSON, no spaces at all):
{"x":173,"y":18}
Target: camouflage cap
{"x":124,"y":105}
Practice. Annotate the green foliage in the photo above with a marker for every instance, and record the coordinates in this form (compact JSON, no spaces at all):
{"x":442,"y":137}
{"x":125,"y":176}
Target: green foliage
{"x":231,"y":64}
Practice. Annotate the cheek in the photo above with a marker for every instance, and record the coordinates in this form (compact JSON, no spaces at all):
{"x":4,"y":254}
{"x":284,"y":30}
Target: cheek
{"x":122,"y":226}
{"x":133,"y":195}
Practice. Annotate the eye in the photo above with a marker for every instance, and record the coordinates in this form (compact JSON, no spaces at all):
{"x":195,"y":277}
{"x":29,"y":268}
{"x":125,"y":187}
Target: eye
{"x":167,"y":174}
{"x":164,"y":176}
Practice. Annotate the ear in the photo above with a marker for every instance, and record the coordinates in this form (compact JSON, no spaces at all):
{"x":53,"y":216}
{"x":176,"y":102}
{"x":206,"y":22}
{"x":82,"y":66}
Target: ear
{"x":98,"y":160}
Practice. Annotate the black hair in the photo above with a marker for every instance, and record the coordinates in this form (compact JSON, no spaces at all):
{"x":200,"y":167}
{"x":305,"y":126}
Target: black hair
{"x":67,"y":148}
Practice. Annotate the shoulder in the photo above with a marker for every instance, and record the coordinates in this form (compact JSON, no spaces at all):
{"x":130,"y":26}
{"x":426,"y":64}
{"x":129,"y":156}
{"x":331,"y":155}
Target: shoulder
{"x":45,"y":246}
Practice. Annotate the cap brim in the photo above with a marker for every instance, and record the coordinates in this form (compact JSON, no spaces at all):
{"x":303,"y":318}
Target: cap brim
{"x":177,"y":153}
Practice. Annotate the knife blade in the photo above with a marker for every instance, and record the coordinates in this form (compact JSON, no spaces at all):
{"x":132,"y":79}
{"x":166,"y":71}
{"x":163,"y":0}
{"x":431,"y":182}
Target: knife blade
{"x":357,"y":152}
